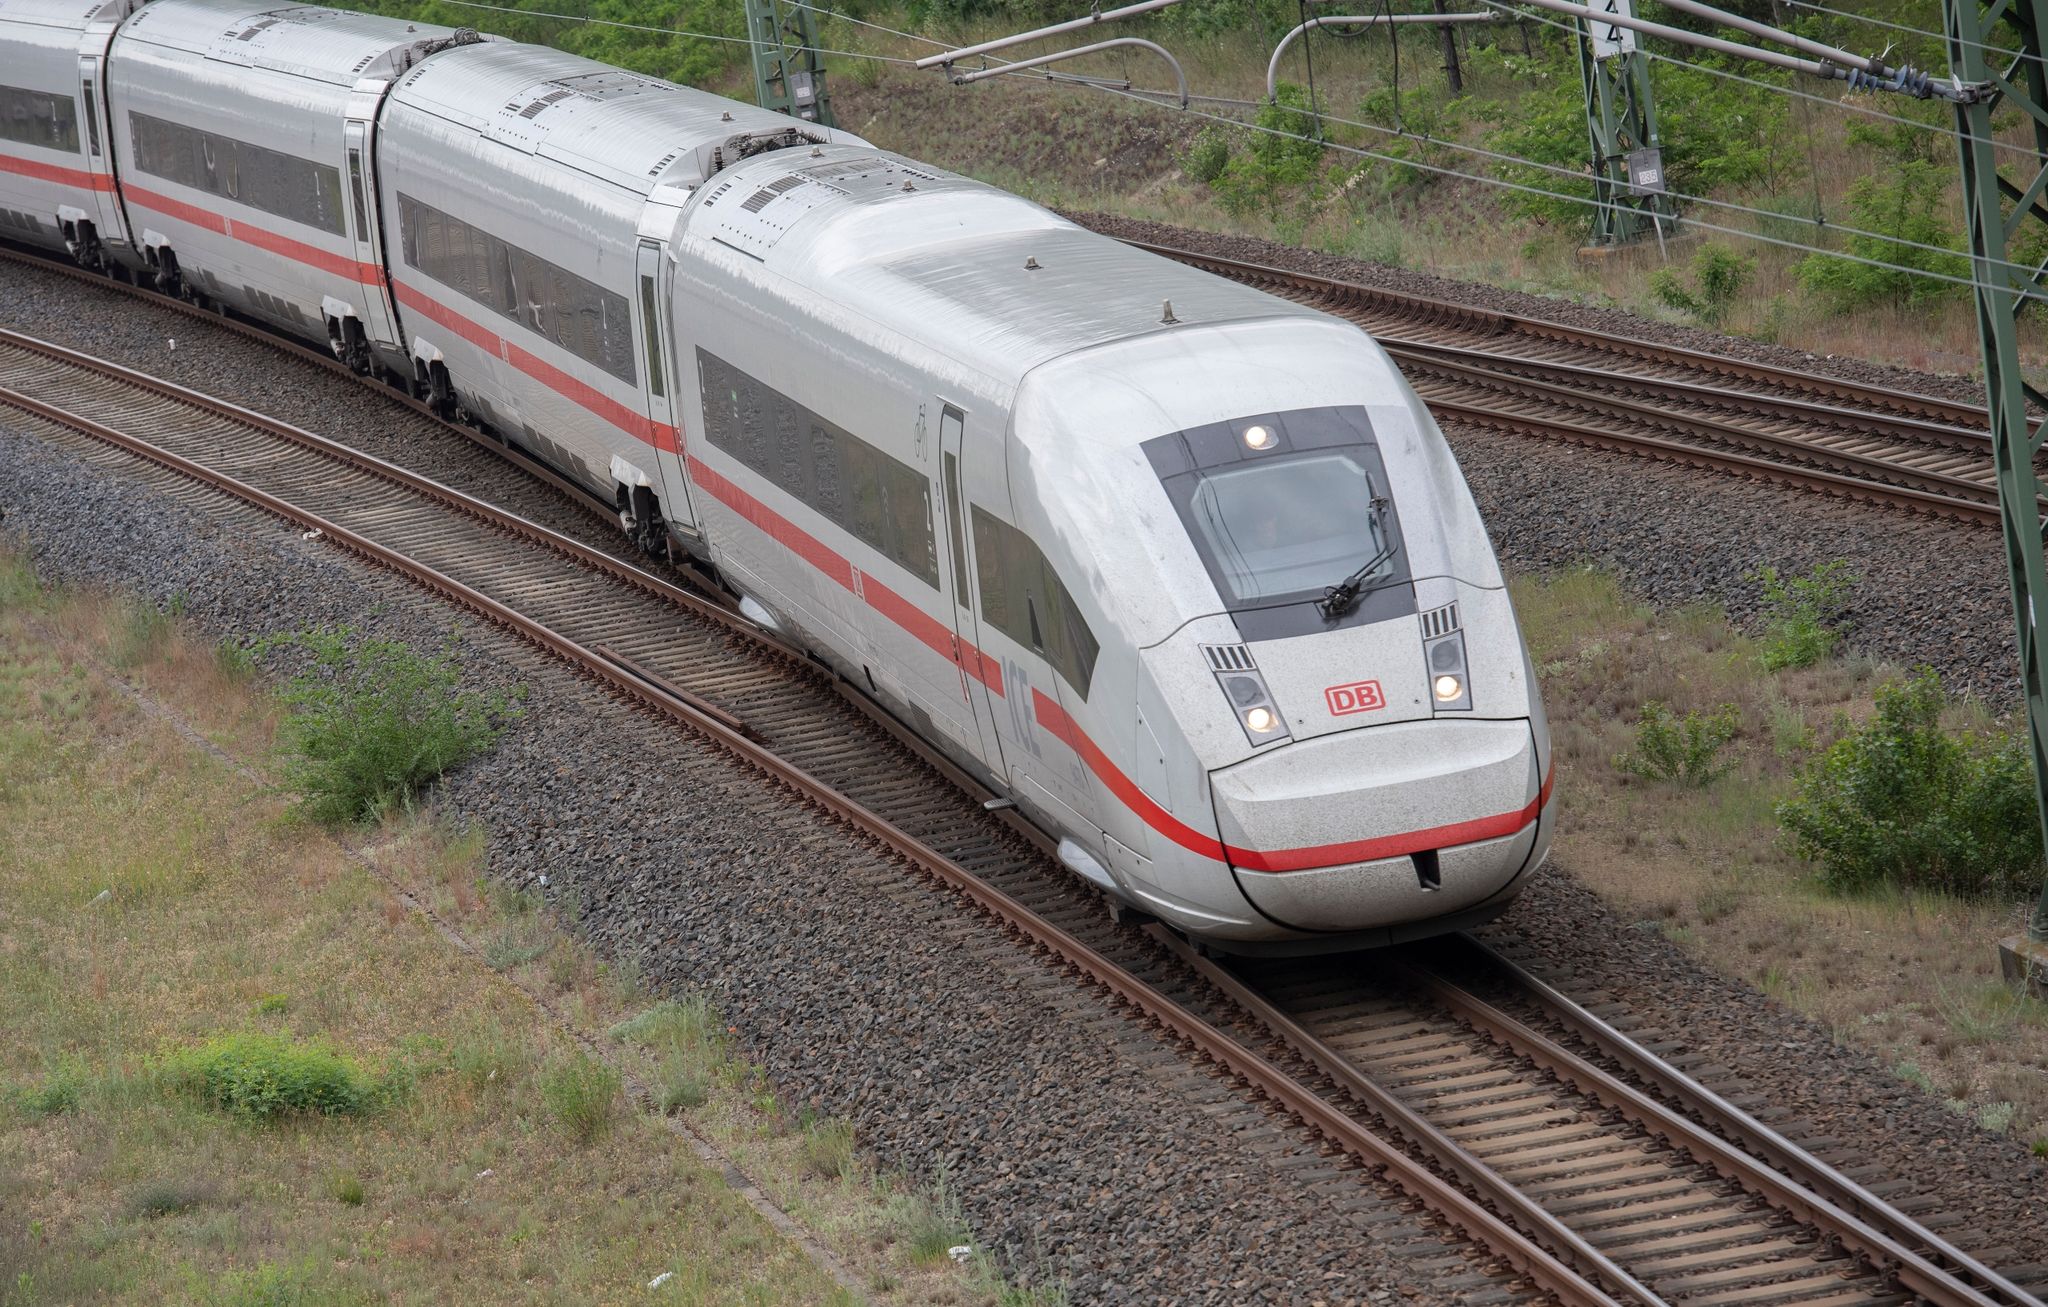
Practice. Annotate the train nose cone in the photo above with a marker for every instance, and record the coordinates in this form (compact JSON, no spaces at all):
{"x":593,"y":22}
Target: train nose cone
{"x":1386,"y":825}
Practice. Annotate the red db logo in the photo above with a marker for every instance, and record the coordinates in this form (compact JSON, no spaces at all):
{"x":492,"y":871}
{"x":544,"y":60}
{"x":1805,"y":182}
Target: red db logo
{"x":1359,"y":696}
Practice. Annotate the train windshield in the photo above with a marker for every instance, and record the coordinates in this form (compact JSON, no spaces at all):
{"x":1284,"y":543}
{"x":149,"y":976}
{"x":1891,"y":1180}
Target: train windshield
{"x":1280,"y":528}
{"x":1283,"y":506}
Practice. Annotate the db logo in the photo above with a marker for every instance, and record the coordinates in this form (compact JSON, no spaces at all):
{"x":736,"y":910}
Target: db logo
{"x":1359,"y":696}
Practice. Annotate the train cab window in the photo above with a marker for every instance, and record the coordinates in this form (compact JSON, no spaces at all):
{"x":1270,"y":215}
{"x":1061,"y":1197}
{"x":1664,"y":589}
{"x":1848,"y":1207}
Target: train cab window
{"x":882,"y":501}
{"x":42,"y":118}
{"x":1282,"y":506}
{"x":1023,"y":597}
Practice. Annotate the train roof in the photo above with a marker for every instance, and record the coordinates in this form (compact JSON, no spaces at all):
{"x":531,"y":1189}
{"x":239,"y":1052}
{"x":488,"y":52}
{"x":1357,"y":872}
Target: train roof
{"x":637,"y":130}
{"x":70,"y":15}
{"x":981,"y":275}
{"x":337,"y":46}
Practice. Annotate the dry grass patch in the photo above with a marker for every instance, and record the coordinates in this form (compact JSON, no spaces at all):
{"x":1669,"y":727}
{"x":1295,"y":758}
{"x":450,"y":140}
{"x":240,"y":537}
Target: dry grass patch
{"x":171,"y":944}
{"x":1911,"y":977}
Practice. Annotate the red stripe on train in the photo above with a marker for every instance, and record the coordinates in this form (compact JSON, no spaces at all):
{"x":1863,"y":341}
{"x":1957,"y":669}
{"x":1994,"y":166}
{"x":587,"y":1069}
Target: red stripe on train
{"x":53,"y":172}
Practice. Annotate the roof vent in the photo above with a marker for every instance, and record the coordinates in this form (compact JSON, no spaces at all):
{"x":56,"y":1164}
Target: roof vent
{"x":1031,"y":263}
{"x":1439,"y":621}
{"x":1166,"y":313}
{"x":1228,"y":657}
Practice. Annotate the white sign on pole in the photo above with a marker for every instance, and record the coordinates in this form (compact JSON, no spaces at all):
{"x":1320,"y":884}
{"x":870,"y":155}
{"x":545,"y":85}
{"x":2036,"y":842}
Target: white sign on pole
{"x":1610,"y":39}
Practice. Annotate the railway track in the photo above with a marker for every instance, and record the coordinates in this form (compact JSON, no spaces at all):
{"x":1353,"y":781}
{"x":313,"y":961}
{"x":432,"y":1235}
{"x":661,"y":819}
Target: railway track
{"x":1531,"y":377}
{"x":1592,"y":1168}
{"x":1606,"y":391}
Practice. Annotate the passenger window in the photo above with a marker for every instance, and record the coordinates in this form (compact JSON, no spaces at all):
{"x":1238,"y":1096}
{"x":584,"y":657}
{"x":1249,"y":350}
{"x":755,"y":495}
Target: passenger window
{"x":1017,"y":586}
{"x":92,"y":120}
{"x":355,"y":183}
{"x":952,"y":466}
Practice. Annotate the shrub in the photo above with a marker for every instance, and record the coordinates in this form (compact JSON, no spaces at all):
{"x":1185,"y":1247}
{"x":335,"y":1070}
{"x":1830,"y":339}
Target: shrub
{"x":1719,"y":274}
{"x":264,"y":1077}
{"x":59,"y":1093}
{"x":1901,"y":802}
{"x":1685,"y":751}
{"x":1797,"y":613}
{"x":1206,"y":155}
{"x":1907,"y":204}
{"x":158,"y":1198}
{"x":373,"y":723}
{"x":583,"y":1095}
{"x":1281,"y":159}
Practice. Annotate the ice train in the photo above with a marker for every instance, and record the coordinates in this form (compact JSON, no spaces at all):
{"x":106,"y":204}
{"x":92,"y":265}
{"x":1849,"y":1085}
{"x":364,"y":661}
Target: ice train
{"x":1183,"y":569}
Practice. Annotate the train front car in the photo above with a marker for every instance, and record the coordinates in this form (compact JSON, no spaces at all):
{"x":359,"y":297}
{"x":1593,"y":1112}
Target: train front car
{"x":1332,"y":737}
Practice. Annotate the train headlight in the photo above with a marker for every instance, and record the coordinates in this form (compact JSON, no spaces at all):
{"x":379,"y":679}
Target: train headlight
{"x":1258,"y":436}
{"x":1449,"y":683}
{"x":1244,"y":689}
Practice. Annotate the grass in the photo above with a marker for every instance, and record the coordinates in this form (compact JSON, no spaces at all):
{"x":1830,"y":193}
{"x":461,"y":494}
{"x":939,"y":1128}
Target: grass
{"x":171,"y":944}
{"x":1912,"y":977}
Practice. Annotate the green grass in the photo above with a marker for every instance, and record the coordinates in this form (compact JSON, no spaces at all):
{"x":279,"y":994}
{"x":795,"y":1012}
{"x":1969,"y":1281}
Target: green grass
{"x":263,"y":1077}
{"x":583,"y":1096}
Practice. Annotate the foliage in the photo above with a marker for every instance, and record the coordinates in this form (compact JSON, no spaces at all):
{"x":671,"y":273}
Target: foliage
{"x":373,"y":722}
{"x":654,"y":43}
{"x":1901,"y":802}
{"x":1279,"y":160}
{"x":58,"y":1093}
{"x":1426,"y":121}
{"x":1715,"y":133}
{"x":1684,"y":751}
{"x":582,"y":1093}
{"x":264,"y":1077}
{"x":1204,"y":159}
{"x":1904,"y":210}
{"x":1798,"y":613}
{"x":686,"y":1038}
{"x":1718,"y":274}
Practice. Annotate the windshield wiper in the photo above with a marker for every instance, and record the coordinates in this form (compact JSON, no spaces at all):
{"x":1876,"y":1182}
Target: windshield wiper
{"x":1338,"y":599}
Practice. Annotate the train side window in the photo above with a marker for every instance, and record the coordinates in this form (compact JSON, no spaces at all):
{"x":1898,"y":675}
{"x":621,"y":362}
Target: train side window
{"x":39,"y":118}
{"x":952,"y":466}
{"x":882,"y":502}
{"x":92,"y":121}
{"x":649,"y":307}
{"x":355,"y":186}
{"x":1017,"y":585}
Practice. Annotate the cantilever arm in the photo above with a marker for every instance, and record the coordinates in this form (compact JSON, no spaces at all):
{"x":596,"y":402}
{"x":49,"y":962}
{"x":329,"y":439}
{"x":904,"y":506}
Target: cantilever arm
{"x":1336,"y":20}
{"x":1181,"y":78}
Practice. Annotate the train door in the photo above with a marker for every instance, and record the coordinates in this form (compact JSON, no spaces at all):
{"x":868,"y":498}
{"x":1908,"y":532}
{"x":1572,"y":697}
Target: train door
{"x":978,"y":670}
{"x":380,"y":315}
{"x":106,"y":214}
{"x":658,"y":395}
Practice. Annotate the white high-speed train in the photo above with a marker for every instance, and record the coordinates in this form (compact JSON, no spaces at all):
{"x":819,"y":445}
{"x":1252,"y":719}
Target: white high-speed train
{"x":1184,"y":569}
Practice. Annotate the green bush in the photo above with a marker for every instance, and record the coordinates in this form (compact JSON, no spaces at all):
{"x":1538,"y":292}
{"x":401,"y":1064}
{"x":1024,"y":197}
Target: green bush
{"x":1204,"y":159}
{"x":264,"y":1077}
{"x":1719,"y":274}
{"x":1901,"y":802}
{"x":59,"y":1093}
{"x":583,"y":1095}
{"x":1798,"y":614}
{"x":1908,"y":203}
{"x":1684,"y":751}
{"x":1281,"y":161}
{"x":373,"y":723}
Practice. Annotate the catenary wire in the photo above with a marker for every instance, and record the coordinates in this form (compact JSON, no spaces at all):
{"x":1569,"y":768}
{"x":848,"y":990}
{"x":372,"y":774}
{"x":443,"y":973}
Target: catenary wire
{"x":1915,"y":31}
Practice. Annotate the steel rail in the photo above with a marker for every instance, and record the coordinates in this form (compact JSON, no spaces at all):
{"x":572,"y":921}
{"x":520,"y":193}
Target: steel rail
{"x":1732,"y":1122}
{"x":1549,"y":1270}
{"x":1421,"y":308}
{"x":620,"y":672}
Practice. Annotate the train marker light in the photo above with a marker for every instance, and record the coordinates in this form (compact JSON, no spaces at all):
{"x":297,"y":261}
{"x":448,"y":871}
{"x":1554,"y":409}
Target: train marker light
{"x":1261,"y":720}
{"x":1258,"y":437}
{"x":1448,"y":689}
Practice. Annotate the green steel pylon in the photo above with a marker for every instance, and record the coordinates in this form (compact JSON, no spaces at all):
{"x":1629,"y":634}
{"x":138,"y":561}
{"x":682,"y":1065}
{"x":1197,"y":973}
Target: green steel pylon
{"x":2001,"y":43}
{"x":1621,"y":129}
{"x":789,"y":73}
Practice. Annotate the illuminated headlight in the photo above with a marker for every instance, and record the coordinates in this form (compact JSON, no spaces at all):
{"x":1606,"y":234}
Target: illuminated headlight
{"x":1252,"y":703}
{"x":1449,"y":684}
{"x":1258,"y":436}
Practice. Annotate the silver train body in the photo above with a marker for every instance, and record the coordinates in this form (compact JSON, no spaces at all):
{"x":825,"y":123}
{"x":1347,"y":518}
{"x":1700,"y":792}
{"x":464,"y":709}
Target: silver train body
{"x":1068,"y":509}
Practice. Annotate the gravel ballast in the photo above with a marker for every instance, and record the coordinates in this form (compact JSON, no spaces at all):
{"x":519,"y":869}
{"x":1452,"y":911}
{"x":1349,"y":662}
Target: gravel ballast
{"x":1038,"y":1117}
{"x":1076,"y":1142}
